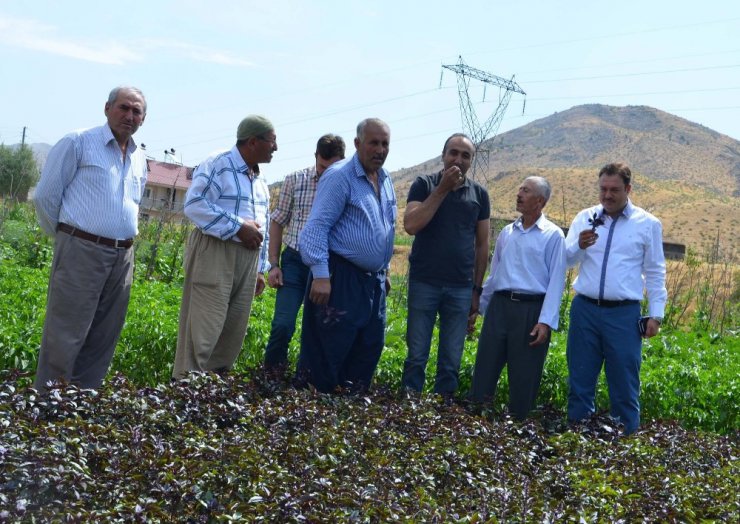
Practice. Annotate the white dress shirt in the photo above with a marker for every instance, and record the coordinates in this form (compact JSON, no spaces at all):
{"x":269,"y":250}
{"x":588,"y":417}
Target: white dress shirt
{"x":635,"y":262}
{"x":529,"y":261}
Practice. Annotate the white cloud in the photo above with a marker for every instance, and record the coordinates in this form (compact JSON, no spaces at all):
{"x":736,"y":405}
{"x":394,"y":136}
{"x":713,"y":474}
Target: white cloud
{"x":37,"y":36}
{"x":31,"y":34}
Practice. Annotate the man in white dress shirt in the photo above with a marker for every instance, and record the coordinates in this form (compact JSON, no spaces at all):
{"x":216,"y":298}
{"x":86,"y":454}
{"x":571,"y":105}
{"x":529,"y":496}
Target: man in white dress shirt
{"x":88,"y":199}
{"x":521,"y":302}
{"x":618,"y":248}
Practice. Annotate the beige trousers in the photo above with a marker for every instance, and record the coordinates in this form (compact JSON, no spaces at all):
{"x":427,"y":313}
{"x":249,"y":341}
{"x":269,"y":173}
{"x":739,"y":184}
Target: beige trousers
{"x":220,"y":278}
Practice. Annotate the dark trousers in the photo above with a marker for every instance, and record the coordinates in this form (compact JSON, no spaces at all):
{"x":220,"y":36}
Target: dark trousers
{"x":342,"y":341}
{"x":288,"y":300}
{"x":604,"y":337}
{"x":504,"y":341}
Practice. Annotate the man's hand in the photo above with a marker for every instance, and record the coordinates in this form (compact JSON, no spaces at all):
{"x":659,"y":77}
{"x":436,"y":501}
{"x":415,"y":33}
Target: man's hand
{"x":320,"y":291}
{"x":652,"y":328}
{"x":587,"y":238}
{"x":275,"y":277}
{"x":472,"y":317}
{"x":259,"y":287}
{"x":250,"y":234}
{"x":452,"y":178}
{"x":387,"y":284}
{"x":540,"y":333}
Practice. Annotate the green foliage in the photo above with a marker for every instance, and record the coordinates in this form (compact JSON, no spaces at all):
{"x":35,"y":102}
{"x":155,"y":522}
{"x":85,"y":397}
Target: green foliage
{"x":248,"y":448}
{"x":18,"y":172}
{"x":691,"y":376}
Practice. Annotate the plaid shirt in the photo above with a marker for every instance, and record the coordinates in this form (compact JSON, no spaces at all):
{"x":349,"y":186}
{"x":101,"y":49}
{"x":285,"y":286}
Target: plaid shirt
{"x":294,"y":203}
{"x":224,"y":193}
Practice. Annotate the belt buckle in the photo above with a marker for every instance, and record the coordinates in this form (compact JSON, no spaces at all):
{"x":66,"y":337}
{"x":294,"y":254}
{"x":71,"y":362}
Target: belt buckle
{"x":115,"y":243}
{"x":512,"y":297}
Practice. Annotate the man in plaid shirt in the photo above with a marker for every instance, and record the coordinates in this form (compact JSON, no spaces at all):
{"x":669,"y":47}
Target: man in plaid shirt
{"x":287,"y":272}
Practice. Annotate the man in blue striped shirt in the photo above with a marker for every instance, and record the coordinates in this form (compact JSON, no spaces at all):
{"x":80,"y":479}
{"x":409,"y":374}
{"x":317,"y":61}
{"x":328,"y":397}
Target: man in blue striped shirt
{"x":226,"y":254}
{"x":88,"y":199}
{"x":348,"y":243}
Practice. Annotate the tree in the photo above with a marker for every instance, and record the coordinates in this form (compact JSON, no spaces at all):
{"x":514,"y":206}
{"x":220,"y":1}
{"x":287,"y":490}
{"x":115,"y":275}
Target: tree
{"x":18,"y":172}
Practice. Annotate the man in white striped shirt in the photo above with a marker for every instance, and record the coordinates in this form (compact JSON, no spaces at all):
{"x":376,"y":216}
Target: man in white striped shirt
{"x":88,"y":199}
{"x":226,"y":254}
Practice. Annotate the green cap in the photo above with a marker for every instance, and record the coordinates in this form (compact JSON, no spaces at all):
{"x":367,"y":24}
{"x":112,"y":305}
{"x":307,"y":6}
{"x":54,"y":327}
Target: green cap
{"x":253,"y":125}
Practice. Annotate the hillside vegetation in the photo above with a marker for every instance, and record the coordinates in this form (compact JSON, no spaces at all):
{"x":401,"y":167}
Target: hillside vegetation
{"x":684,"y":173}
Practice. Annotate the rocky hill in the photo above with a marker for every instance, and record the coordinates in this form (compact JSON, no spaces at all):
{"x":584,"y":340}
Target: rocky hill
{"x":686,"y":174}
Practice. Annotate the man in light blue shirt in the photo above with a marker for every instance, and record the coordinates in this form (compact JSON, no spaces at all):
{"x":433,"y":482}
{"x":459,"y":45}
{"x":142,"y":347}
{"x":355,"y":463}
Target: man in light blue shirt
{"x":88,"y":199}
{"x":618,"y":248}
{"x":348,"y":243}
{"x":521,"y":302}
{"x":226,"y":254}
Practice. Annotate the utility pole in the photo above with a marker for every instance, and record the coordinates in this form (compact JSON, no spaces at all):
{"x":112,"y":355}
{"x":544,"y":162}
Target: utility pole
{"x":480,"y":132}
{"x":23,"y":138}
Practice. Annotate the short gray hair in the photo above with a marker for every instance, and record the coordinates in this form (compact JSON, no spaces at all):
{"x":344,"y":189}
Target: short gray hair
{"x":113,"y":96}
{"x":543,"y":186}
{"x":362,"y":125}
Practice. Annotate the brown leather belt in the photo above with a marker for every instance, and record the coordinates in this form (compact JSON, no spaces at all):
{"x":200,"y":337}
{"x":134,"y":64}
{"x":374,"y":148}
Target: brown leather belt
{"x":110,"y":242}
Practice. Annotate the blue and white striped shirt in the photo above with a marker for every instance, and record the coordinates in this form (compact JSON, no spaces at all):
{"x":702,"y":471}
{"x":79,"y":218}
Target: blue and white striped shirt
{"x":88,"y":184}
{"x":225,"y":192}
{"x":350,"y":220}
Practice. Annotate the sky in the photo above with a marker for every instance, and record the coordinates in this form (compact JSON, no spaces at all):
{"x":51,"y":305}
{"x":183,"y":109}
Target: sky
{"x":320,"y":66}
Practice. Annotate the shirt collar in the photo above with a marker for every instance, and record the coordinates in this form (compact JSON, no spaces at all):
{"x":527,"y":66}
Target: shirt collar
{"x":360,"y":171}
{"x":538,"y":223}
{"x":242,"y":166}
{"x":626,"y":212}
{"x":107,"y":135}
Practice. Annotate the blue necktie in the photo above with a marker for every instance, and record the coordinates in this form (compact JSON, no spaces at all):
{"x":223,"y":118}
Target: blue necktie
{"x":606,"y":258}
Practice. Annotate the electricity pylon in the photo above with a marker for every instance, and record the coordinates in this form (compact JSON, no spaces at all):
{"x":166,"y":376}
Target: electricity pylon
{"x":472,"y":126}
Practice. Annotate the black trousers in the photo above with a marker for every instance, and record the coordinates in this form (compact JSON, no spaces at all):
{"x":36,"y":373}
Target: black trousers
{"x":504,"y":341}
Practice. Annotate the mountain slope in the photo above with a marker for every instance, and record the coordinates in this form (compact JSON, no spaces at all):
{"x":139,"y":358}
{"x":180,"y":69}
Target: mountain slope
{"x":685,"y":173}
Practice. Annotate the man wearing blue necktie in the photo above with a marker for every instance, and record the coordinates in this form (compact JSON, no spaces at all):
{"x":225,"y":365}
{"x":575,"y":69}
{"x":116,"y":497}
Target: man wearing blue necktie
{"x":618,"y":248}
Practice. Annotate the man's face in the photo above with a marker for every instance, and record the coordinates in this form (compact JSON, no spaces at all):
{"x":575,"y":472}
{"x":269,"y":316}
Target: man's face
{"x":322,"y":163}
{"x":372,"y":150}
{"x":528,"y":199}
{"x":613,"y":193}
{"x":459,"y":152}
{"x":264,"y":146}
{"x":125,"y":115}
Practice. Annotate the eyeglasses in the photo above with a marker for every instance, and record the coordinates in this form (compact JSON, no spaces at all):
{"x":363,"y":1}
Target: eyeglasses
{"x":272,"y":141}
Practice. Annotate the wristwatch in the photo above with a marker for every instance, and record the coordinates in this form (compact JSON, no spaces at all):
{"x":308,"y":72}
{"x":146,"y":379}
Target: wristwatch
{"x":477,"y":289}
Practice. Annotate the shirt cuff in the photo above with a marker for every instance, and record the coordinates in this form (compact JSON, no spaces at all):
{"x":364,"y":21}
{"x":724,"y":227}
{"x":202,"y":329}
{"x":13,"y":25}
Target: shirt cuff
{"x":320,"y":271}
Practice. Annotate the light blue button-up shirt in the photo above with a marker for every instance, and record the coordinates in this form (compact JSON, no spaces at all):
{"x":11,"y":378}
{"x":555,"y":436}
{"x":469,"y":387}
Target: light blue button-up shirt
{"x":89,"y":184}
{"x":529,"y":261}
{"x":350,"y":219}
{"x":224,"y":193}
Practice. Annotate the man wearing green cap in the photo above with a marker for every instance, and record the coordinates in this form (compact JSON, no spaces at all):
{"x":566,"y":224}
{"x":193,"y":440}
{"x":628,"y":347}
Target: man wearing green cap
{"x":226,"y":254}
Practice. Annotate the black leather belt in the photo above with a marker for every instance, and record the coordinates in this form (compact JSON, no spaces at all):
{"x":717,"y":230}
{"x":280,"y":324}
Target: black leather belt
{"x":609,"y":303}
{"x":110,"y":242}
{"x":519,"y":297}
